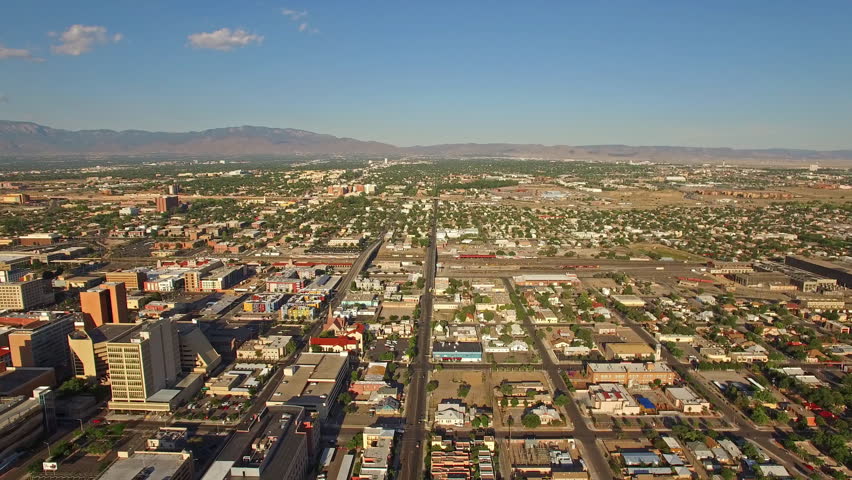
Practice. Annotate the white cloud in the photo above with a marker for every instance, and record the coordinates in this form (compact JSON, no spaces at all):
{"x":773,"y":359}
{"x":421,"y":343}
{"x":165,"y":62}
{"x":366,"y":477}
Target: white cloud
{"x":298,"y":17}
{"x":224,"y":39}
{"x":294,"y":15}
{"x":79,"y":39}
{"x":21,"y":53}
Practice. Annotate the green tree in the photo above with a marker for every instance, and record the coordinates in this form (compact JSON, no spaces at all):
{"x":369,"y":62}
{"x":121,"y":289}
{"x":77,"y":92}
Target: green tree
{"x":531,"y":420}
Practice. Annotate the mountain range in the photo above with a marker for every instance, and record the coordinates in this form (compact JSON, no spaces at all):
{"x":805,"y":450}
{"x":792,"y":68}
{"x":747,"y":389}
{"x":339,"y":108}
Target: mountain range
{"x":27,"y":138}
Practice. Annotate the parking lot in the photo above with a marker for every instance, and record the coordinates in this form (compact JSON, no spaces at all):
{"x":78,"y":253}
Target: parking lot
{"x":213,"y":409}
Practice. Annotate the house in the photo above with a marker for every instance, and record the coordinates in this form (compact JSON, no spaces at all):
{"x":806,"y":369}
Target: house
{"x":546,"y":414}
{"x":451,"y":413}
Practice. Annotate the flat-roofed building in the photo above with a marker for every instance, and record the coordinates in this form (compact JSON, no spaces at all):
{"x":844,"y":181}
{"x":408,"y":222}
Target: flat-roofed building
{"x":612,"y":399}
{"x":840,"y":271}
{"x":132,"y":279}
{"x":89,"y":352}
{"x":151,"y":466}
{"x":630,"y":373}
{"x":629,"y":351}
{"x":26,"y":294}
{"x":281,"y":445}
{"x":313,"y":382}
{"x":40,"y":339}
{"x":545,"y":280}
{"x":145,"y":371}
{"x":686,"y":400}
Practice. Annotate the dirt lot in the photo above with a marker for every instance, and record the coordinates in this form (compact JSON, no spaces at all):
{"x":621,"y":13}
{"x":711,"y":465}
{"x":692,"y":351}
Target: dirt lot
{"x":448,"y":385}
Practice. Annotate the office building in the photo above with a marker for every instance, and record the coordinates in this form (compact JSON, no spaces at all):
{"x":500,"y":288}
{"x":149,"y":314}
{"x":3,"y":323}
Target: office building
{"x":39,"y":339}
{"x":106,"y":303}
{"x":26,"y":294}
{"x":167,"y":203}
{"x":197,"y":355}
{"x":132,"y":279}
{"x":144,"y":369}
{"x":89,"y":348}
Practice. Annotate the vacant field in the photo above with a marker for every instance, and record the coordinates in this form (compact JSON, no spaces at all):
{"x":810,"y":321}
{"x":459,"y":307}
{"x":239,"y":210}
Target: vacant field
{"x":662,"y":250}
{"x":448,"y":386}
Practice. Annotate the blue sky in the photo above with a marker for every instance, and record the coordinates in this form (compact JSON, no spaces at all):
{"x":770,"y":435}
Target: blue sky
{"x":771,"y":73}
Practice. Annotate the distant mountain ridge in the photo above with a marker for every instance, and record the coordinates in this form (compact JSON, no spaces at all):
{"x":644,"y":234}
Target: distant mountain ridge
{"x":26,"y":138}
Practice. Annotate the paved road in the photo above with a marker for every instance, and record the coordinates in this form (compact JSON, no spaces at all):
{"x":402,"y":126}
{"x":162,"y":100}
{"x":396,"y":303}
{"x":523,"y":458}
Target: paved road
{"x":745,"y":427}
{"x":581,"y":432}
{"x":411,"y":456}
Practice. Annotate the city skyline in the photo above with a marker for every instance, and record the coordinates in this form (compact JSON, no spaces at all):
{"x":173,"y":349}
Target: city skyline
{"x":763,"y":75}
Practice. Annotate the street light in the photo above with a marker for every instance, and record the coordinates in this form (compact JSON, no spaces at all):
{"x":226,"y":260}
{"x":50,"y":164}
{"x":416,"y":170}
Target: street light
{"x":48,"y":449}
{"x":81,"y":425}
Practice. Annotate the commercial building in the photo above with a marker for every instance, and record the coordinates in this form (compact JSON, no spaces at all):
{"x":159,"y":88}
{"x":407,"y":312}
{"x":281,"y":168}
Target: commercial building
{"x":26,"y":294}
{"x":197,"y":354}
{"x":39,"y":239}
{"x":612,"y":399}
{"x":272,"y":349}
{"x":39,"y":339}
{"x":545,"y":280}
{"x":630,"y":373}
{"x":686,"y":400}
{"x":88,"y":349}
{"x":106,"y":303}
{"x":313,"y":382}
{"x":728,"y":268}
{"x":840,"y":271}
{"x":628,"y":300}
{"x":167,"y":203}
{"x":144,"y":369}
{"x":151,"y":466}
{"x":223,"y":278}
{"x":132,"y":279}
{"x":457,"y":351}
{"x":281,"y":445}
{"x":24,"y":420}
{"x":629,"y":351}
{"x":377,"y":443}
{"x":15,"y":381}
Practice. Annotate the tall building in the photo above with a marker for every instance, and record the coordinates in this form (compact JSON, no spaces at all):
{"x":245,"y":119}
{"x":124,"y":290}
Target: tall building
{"x":167,"y":203}
{"x":40,"y":339}
{"x":95,"y":302}
{"x":106,"y":303}
{"x":142,"y":364}
{"x":26,"y":294}
{"x":89,"y":348}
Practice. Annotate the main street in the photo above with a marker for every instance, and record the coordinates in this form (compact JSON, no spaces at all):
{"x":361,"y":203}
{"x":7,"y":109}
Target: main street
{"x":411,"y":453}
{"x":581,"y":432}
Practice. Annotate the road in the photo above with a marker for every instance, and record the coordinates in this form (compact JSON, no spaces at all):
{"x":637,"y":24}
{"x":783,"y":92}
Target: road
{"x":238,"y":442}
{"x":599,"y":468}
{"x":411,"y":456}
{"x":745,"y":427}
